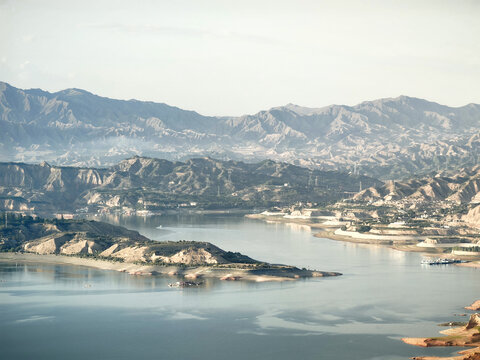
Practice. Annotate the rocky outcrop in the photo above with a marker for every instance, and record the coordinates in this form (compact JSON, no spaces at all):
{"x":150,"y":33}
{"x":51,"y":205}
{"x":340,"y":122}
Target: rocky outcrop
{"x":472,"y":218}
{"x":475,"y":306}
{"x":193,"y":256}
{"x":474,"y":322}
{"x":132,"y":253}
{"x":461,"y":336}
{"x":48,"y":245}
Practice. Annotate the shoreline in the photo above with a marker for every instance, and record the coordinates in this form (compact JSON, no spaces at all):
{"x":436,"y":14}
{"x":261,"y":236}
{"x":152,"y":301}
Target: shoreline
{"x":329,"y":231}
{"x":463,"y":336}
{"x":280,"y":273}
{"x":297,"y":221}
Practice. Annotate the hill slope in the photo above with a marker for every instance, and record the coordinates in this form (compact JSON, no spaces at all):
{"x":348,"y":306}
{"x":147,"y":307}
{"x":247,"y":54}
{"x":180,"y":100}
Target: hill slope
{"x":464,"y":187}
{"x":102,"y":240}
{"x":107,"y":245}
{"x":146,"y":183}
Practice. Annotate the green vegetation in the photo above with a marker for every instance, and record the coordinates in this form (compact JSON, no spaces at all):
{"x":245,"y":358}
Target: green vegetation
{"x":414,"y":223}
{"x":96,"y":256}
{"x":453,"y":323}
{"x":469,"y":248}
{"x":447,"y":338}
{"x":364,"y":228}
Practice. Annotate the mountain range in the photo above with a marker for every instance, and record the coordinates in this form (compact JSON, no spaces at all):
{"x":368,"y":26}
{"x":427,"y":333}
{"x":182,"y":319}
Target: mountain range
{"x":156,"y":184}
{"x":388,"y":138}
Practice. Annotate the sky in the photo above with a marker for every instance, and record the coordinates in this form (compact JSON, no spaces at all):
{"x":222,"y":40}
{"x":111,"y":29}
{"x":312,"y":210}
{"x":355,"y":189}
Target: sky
{"x":221,"y":57}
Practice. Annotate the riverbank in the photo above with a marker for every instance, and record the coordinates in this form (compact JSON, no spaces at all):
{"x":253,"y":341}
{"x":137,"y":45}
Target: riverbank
{"x":331,"y":230}
{"x":407,"y":245}
{"x":222,"y":272}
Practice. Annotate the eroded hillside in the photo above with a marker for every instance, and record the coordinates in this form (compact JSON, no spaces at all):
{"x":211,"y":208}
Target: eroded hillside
{"x":105,"y":241}
{"x":154,"y":184}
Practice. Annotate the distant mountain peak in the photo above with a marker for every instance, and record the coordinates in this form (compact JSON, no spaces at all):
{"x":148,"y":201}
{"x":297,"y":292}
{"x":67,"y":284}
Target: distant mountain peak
{"x":74,"y":92}
{"x":388,"y":138}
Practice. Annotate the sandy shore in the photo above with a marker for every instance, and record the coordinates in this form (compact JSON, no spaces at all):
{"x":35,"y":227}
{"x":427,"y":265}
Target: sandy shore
{"x":333,"y":231}
{"x":279,"y":219}
{"x":405,"y":245}
{"x":222,"y":273}
{"x":355,"y":237}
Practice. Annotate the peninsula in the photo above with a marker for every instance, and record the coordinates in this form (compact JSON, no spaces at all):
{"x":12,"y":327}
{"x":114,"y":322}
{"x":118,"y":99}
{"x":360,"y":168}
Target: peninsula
{"x":106,"y":246}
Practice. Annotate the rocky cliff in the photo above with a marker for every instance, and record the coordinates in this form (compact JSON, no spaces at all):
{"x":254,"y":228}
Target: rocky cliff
{"x":472,"y":218}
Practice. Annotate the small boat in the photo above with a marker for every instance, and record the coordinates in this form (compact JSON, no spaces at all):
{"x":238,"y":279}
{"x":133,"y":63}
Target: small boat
{"x":440,"y":261}
{"x":183,"y":284}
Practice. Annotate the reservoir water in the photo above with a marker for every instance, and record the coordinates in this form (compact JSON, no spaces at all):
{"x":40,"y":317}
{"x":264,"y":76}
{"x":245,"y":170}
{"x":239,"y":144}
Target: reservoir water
{"x":73,"y":312}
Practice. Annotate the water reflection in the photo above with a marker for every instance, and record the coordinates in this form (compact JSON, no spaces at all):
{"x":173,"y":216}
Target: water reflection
{"x":384,"y":295}
{"x":298,"y":227}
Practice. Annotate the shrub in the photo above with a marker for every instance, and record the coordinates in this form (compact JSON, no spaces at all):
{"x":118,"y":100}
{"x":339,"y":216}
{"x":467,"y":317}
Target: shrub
{"x":364,"y":228}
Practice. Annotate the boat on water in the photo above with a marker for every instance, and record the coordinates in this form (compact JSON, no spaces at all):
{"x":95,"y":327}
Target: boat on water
{"x":440,"y":261}
{"x":182,"y":284}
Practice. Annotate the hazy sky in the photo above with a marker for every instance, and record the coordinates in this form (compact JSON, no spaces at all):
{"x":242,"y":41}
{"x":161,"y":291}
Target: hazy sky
{"x":223,"y":57}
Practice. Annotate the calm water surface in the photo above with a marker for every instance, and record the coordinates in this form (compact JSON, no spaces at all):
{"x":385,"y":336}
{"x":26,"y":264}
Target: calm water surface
{"x":70,"y":312}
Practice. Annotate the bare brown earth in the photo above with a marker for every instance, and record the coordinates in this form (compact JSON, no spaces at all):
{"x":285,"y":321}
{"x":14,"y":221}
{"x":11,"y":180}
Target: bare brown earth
{"x":474,"y":307}
{"x":466,"y":336}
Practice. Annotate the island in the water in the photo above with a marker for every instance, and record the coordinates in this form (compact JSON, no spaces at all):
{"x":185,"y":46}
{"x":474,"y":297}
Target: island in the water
{"x":106,"y":246}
